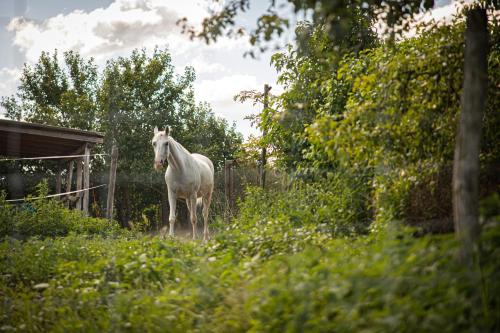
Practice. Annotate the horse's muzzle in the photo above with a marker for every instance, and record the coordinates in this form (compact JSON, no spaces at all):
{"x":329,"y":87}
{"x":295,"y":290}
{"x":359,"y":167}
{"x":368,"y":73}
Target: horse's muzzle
{"x":158,"y":165}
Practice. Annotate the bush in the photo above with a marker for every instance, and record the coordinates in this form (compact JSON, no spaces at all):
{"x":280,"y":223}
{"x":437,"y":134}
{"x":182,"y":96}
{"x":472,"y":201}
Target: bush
{"x":48,"y":218}
{"x":388,"y":281}
{"x":275,"y":222}
{"x":399,"y":120}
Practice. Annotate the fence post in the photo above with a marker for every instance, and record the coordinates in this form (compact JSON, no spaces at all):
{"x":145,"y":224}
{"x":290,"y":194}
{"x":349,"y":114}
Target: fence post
{"x":111,"y":182}
{"x":229,"y":187}
{"x":79,"y":174}
{"x":69,"y":180}
{"x":58,"y":180}
{"x":86,"y":180}
{"x":263,"y":158}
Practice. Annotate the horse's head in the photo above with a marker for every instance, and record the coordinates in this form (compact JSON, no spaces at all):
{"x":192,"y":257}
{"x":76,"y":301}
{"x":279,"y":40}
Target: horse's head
{"x":160,"y":146}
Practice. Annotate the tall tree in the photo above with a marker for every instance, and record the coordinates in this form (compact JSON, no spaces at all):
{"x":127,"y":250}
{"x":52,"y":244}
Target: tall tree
{"x":138,"y":93}
{"x":132,"y":96}
{"x":57,"y":92}
{"x":466,"y":161}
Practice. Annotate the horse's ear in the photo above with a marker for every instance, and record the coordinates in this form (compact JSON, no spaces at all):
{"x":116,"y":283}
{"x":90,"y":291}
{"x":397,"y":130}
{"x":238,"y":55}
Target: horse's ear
{"x":156,"y":129}
{"x":167,"y":130}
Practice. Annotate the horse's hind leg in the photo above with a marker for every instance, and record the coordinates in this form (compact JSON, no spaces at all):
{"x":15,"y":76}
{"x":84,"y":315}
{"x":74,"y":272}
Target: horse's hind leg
{"x":191,"y":203}
{"x":206,"y":205}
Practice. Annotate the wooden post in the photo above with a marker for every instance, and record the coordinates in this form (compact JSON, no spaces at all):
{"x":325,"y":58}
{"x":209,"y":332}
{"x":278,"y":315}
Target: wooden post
{"x":112,"y":182}
{"x":79,"y":174}
{"x":263,"y":158}
{"x":69,"y":179}
{"x":467,"y":146}
{"x":58,"y":180}
{"x":86,"y":179}
{"x":229,"y":187}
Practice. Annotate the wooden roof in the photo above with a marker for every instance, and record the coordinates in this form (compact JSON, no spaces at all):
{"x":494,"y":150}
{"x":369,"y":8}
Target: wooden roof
{"x":22,"y":139}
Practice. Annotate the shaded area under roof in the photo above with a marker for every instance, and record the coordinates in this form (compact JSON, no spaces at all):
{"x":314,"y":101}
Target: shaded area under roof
{"x":22,"y":139}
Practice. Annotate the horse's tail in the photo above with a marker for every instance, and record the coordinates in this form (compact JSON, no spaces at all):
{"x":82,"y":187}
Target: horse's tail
{"x":199,"y":202}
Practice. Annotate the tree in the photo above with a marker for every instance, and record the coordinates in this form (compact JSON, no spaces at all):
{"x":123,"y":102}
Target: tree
{"x":139,"y":93}
{"x":58,"y":92}
{"x":467,"y":148}
{"x":336,"y":15}
{"x":57,"y":95}
{"x":131,"y":96}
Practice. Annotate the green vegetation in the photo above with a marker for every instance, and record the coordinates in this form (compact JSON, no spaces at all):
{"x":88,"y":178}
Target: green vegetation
{"x":387,"y":116}
{"x":369,"y":132}
{"x":265,"y":272}
{"x":42,"y":218}
{"x":126,"y":101}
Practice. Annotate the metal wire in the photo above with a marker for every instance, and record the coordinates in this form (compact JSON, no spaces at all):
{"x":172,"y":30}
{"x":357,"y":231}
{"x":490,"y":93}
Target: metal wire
{"x":47,"y":157}
{"x":56,"y":195}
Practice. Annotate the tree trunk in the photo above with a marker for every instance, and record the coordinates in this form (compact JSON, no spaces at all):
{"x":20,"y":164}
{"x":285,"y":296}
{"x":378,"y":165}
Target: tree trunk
{"x":466,"y":162}
{"x":263,"y":153}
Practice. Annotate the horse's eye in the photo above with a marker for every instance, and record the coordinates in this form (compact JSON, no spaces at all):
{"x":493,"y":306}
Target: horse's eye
{"x":154,"y":144}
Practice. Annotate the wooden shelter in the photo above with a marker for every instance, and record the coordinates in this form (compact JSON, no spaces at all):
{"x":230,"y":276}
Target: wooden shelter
{"x":28,"y":140}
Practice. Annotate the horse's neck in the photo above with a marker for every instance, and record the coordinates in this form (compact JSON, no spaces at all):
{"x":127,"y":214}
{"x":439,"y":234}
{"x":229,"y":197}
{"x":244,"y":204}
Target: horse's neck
{"x":179,"y":156}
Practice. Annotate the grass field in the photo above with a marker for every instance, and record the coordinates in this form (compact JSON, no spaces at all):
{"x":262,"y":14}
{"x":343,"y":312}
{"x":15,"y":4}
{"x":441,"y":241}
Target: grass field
{"x":256,"y":275}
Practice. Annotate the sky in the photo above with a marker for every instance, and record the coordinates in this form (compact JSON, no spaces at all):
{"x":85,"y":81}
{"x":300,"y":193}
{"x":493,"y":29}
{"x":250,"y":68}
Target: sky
{"x":106,"y":29}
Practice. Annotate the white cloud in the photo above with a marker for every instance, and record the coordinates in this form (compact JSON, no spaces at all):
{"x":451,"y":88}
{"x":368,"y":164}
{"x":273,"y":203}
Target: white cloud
{"x":122,"y":26}
{"x":438,"y":15}
{"x":225,"y":88}
{"x":202,"y":66}
{"x":442,"y":14}
{"x":9,"y":80}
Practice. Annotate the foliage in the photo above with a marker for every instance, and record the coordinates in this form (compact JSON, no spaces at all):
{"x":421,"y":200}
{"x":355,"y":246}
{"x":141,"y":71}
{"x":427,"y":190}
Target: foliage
{"x":139,"y":93}
{"x":399,"y":120}
{"x":386,"y":281}
{"x":295,"y":261}
{"x":303,"y":72}
{"x":49,"y":218}
{"x":335,"y":206}
{"x":345,"y":21}
{"x":126,"y":101}
{"x":387,"y":114}
{"x":57,"y":95}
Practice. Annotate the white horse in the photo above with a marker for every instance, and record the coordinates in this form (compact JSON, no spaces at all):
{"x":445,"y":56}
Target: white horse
{"x":189,"y":176}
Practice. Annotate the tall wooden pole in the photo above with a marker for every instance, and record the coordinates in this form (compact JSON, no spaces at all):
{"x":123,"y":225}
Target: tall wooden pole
{"x":69,"y":180}
{"x":59,"y":180}
{"x":467,"y":147}
{"x":86,"y":179}
{"x":112,"y":182}
{"x":79,"y":174}
{"x":263,"y":157}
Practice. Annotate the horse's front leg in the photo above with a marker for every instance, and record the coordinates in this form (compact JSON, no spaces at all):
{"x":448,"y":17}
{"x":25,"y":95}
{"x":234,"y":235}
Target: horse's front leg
{"x":172,"y":202}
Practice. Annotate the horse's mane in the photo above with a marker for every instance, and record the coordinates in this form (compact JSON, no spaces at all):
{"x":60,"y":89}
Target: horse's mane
{"x":171,"y":140}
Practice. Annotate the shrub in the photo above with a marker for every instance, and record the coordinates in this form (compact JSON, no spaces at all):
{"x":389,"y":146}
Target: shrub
{"x":388,"y":281}
{"x":277,"y":222}
{"x":48,"y":218}
{"x":399,"y":121}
